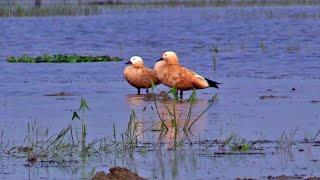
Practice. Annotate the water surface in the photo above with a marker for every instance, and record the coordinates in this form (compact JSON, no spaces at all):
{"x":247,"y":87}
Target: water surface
{"x":261,"y":51}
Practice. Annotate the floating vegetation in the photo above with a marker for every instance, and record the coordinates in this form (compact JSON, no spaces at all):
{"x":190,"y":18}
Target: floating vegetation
{"x":272,"y":97}
{"x":60,"y":94}
{"x":315,"y":101}
{"x":61,"y":58}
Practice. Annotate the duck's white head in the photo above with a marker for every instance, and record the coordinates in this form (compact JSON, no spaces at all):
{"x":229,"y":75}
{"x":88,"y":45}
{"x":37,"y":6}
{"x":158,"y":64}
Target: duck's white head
{"x":136,"y":61}
{"x":170,"y":57}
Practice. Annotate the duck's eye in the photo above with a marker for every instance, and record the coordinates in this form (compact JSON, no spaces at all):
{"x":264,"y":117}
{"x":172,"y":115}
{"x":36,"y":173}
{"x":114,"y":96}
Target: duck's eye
{"x":134,"y":58}
{"x":165,"y":55}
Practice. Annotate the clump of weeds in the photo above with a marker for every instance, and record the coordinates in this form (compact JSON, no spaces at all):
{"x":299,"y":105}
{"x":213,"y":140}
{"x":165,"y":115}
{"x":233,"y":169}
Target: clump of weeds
{"x":71,"y":144}
{"x":68,"y":145}
{"x":309,"y":138}
{"x":236,"y":144}
{"x":173,"y":121}
{"x":286,"y":141}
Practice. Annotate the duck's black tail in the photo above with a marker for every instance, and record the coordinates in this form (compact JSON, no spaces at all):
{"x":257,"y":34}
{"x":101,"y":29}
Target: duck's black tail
{"x":213,"y":83}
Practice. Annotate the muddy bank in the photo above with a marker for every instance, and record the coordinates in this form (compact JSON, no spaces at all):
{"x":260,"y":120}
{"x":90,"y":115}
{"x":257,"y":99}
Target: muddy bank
{"x":117,"y":173}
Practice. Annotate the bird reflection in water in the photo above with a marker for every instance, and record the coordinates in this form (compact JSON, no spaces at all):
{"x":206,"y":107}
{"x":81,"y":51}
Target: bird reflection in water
{"x":150,"y":110}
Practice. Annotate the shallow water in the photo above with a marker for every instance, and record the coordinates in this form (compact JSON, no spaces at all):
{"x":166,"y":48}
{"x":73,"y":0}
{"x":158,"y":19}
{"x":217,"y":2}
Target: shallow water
{"x":261,"y":51}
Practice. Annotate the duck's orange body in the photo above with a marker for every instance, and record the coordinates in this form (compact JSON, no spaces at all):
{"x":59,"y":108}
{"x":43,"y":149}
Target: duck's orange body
{"x":172,"y":74}
{"x":182,"y":78}
{"x":138,"y":75}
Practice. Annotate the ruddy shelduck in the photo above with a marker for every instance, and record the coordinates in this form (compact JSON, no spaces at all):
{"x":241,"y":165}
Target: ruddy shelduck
{"x":172,"y":74}
{"x":138,"y":75}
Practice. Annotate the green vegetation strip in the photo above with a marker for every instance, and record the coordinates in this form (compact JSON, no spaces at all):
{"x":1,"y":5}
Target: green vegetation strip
{"x":61,"y":58}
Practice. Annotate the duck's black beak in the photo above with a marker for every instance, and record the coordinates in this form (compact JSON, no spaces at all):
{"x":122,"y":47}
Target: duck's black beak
{"x":129,"y":62}
{"x":161,"y":59}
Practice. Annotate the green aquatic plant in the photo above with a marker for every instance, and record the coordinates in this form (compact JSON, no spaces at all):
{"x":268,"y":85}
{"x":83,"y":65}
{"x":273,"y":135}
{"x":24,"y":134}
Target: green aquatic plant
{"x":163,"y":125}
{"x":68,"y":145}
{"x":192,"y":100}
{"x":174,"y":92}
{"x":83,"y":108}
{"x":61,"y":58}
{"x":174,"y":117}
{"x":192,"y":122}
{"x":131,"y":133}
{"x":236,"y":143}
{"x":214,"y":57}
{"x":1,"y":140}
{"x":241,"y":146}
{"x":72,"y":145}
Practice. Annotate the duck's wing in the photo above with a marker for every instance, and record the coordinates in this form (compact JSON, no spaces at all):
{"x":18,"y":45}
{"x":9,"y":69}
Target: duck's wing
{"x":203,"y":82}
{"x":197,"y":75}
{"x":149,"y":75}
{"x":199,"y":82}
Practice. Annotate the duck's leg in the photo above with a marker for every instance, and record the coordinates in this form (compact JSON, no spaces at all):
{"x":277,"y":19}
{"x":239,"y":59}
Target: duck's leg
{"x":181,"y":94}
{"x":138,"y":90}
{"x":176,"y":93}
{"x":147,"y":90}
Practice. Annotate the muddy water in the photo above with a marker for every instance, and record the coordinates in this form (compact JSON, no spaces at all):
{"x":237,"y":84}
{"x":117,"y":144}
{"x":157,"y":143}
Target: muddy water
{"x":262,"y":51}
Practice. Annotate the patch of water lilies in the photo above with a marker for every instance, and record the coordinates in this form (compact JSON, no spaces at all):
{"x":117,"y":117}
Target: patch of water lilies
{"x":61,"y":58}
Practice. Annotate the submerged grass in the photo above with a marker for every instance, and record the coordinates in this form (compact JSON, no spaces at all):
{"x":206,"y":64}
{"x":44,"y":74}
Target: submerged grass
{"x":71,"y":145}
{"x":311,"y":138}
{"x":234,"y":143}
{"x":61,"y":58}
{"x":175,"y":117}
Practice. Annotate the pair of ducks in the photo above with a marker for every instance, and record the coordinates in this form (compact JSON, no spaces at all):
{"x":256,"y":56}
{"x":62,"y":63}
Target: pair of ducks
{"x":167,"y":71}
